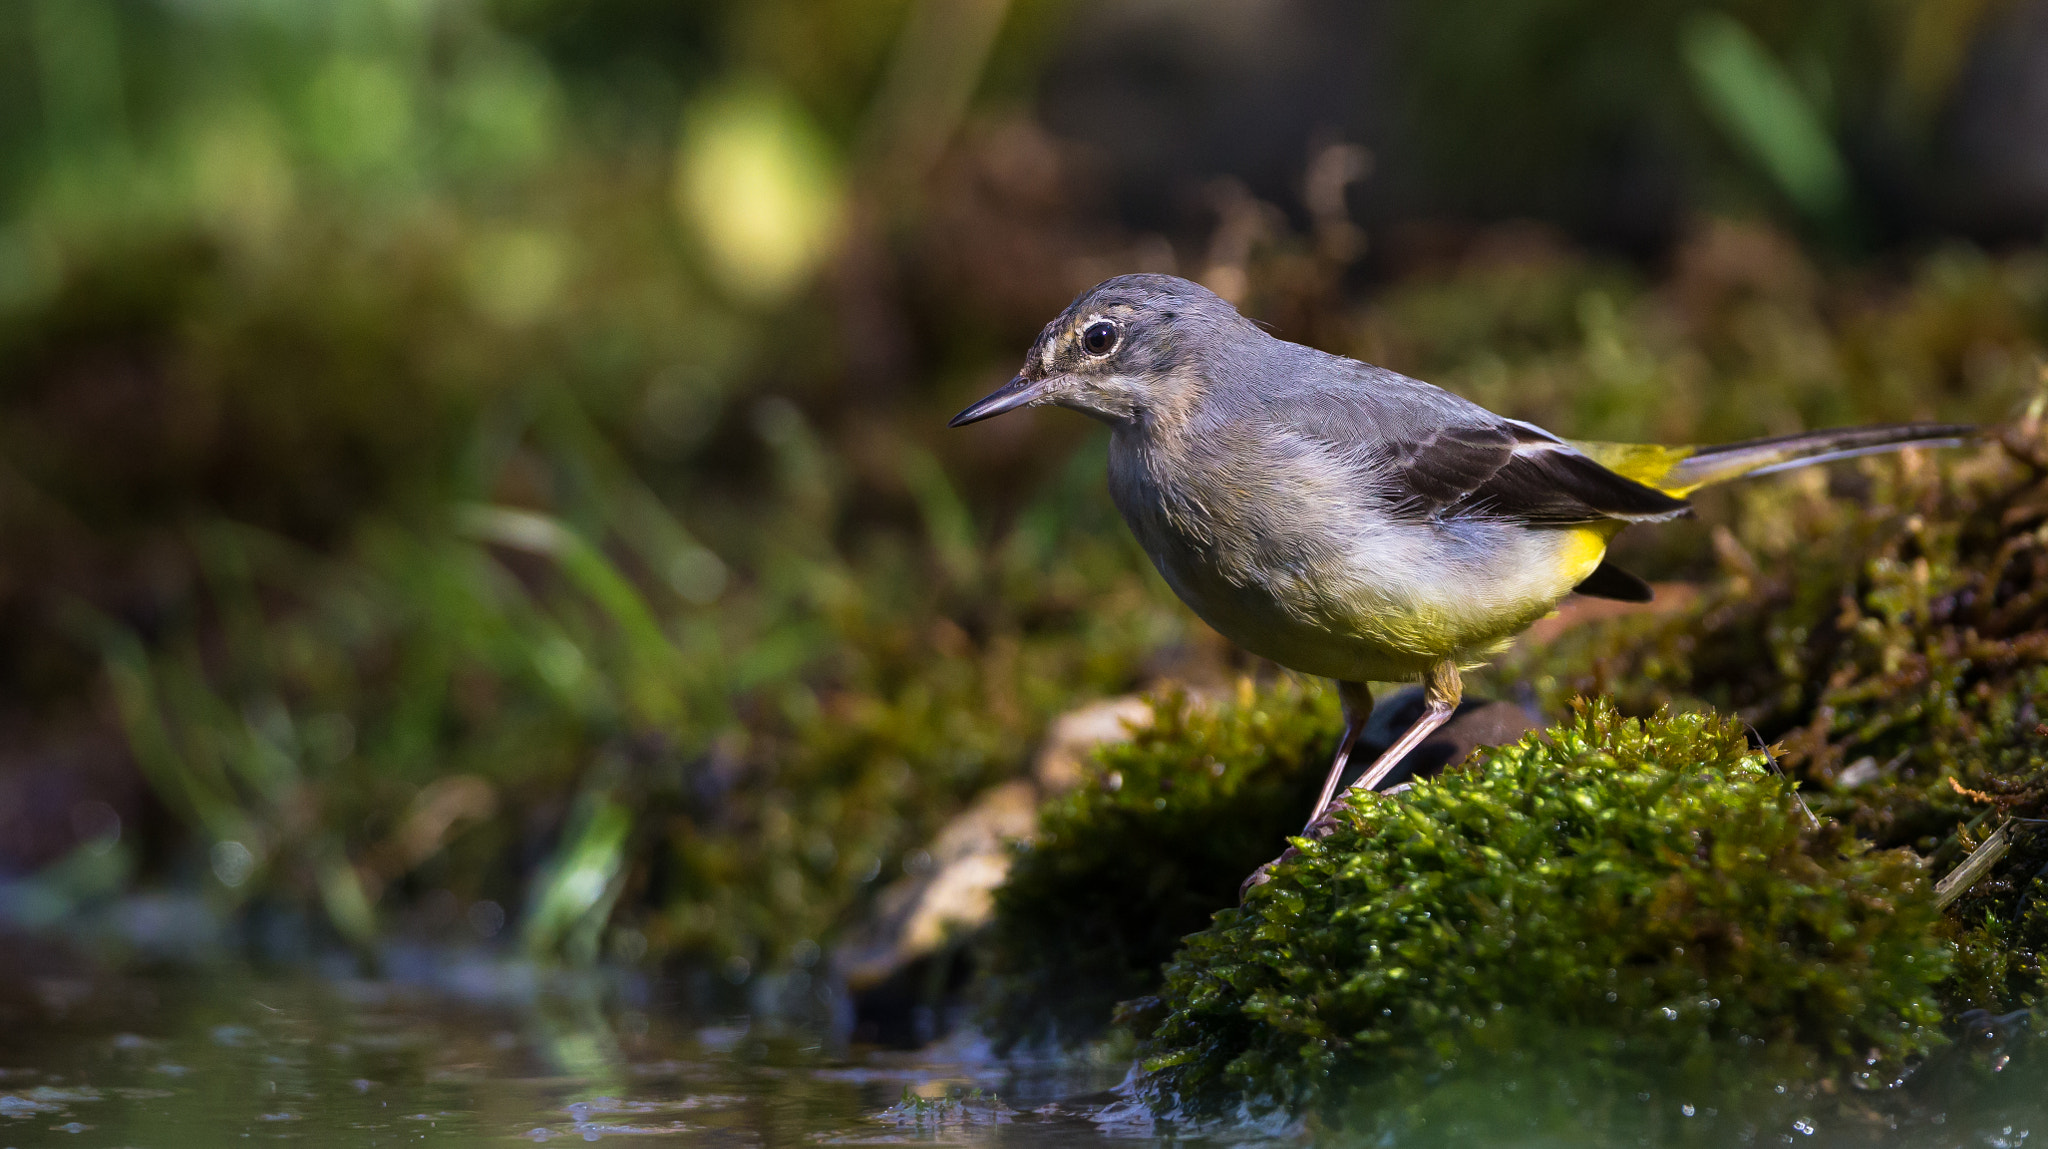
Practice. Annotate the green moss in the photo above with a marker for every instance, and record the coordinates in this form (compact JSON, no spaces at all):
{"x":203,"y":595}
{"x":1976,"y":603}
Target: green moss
{"x":2000,"y":929}
{"x":1643,"y":893}
{"x":1161,"y":835}
{"x":1895,"y":645}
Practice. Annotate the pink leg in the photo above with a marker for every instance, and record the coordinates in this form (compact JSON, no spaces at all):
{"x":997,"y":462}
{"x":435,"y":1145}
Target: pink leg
{"x":1442,"y":690}
{"x":1357,"y":702}
{"x":1441,"y":695}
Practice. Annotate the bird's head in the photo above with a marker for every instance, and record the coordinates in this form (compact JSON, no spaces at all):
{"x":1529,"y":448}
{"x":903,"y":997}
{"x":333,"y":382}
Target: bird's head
{"x":1127,"y":349}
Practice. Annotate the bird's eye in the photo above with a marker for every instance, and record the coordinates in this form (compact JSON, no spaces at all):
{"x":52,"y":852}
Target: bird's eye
{"x":1099,"y":339}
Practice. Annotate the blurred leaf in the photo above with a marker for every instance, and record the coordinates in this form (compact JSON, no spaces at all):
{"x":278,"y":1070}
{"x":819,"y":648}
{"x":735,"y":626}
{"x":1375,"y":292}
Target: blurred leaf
{"x":573,"y":896}
{"x":945,"y":517}
{"x":659,"y":669}
{"x":1763,"y":111}
{"x":204,"y":796}
{"x":348,"y":907}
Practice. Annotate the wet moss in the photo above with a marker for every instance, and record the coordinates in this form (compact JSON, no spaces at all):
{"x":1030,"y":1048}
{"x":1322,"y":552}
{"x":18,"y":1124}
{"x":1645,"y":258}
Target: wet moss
{"x":1161,"y":834}
{"x":1618,"y":891}
{"x":1895,"y":645}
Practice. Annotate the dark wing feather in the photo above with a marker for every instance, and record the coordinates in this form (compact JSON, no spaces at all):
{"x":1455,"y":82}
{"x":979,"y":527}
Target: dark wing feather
{"x":1443,"y":467}
{"x":1436,"y":457}
{"x":1509,"y":471}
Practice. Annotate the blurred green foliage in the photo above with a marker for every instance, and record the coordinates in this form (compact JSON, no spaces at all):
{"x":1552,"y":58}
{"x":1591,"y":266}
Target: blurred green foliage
{"x":433,"y":449}
{"x":495,"y":449}
{"x":1601,"y":113}
{"x":1632,"y":894}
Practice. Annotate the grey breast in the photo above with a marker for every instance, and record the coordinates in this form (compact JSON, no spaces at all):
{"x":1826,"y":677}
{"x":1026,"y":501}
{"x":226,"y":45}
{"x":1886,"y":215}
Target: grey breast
{"x":1250,"y":511}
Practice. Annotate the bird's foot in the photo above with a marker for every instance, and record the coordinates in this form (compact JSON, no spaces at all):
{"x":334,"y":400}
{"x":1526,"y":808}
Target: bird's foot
{"x":1324,"y":825}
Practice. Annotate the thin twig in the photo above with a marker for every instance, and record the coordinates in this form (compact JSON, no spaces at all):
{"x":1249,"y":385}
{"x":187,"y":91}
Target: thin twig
{"x":1974,"y":867}
{"x":1756,"y":742}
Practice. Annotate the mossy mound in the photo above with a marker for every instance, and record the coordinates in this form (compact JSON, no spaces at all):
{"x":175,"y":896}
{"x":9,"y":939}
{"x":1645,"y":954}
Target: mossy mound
{"x":1895,"y":644}
{"x":1616,"y":891}
{"x":1883,"y":622}
{"x":1161,"y":834}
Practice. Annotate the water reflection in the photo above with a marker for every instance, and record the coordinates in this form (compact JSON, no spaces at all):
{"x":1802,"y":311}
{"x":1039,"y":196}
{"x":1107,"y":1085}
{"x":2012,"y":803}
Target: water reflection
{"x":211,"y":1060}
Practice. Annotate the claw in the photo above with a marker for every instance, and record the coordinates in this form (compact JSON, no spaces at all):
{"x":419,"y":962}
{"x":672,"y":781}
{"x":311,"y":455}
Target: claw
{"x":1324,"y":826}
{"x":1325,"y":823}
{"x":1264,"y":873}
{"x":1259,"y":877}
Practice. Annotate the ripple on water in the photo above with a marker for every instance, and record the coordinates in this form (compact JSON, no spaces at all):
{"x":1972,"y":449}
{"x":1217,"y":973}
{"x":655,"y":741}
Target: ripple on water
{"x":476,"y":1077}
{"x":15,"y":1105}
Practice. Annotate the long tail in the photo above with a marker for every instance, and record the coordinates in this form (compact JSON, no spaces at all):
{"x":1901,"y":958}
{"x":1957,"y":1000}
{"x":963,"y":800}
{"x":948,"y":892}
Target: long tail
{"x":1683,"y":470}
{"x":1680,"y":471}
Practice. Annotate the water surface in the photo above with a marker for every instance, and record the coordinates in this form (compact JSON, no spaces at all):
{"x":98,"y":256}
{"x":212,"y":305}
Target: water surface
{"x":216,"y":1060}
{"x":504,"y":1056}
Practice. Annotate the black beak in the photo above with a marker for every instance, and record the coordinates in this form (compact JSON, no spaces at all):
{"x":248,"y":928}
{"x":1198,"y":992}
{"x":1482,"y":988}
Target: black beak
{"x":1010,"y":396}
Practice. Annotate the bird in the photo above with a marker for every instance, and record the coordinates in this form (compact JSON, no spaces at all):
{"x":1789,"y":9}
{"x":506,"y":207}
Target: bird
{"x":1347,"y":521}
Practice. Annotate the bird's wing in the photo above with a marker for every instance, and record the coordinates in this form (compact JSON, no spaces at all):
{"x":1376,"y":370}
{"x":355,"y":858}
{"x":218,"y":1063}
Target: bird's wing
{"x":1513,"y":472}
{"x":1434,"y":456}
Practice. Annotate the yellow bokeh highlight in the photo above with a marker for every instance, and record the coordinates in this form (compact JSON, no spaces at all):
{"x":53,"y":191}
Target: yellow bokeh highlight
{"x":757,"y":187}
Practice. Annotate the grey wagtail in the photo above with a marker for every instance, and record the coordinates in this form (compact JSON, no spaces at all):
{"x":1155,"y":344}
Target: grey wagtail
{"x":1347,"y":521}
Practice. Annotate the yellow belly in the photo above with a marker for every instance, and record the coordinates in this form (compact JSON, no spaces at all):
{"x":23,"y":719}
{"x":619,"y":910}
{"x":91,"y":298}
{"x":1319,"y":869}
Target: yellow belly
{"x":1391,"y":614}
{"x":1479,"y":612}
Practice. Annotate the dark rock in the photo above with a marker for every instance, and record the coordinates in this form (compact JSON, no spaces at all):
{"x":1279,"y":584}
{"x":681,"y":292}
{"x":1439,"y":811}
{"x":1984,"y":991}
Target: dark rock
{"x":1478,"y":722}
